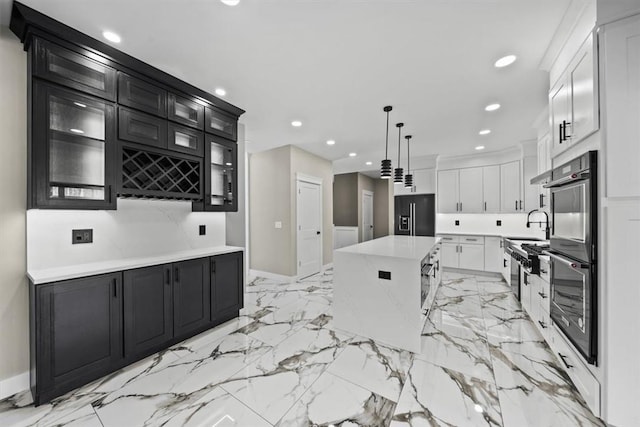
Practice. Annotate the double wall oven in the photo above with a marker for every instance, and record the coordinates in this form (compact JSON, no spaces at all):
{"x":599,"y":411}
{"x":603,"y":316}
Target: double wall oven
{"x":573,"y":252}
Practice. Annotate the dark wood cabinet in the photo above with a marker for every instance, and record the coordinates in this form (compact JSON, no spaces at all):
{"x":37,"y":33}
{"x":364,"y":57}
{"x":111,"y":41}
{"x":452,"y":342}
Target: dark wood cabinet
{"x":141,"y":128}
{"x":186,"y":140}
{"x":220,"y":175}
{"x":221,"y":123}
{"x":227,"y":285}
{"x":71,"y":69}
{"x":185,"y":111}
{"x":191,"y":296}
{"x":148,"y":310}
{"x":143,"y":96}
{"x":73,"y":150}
{"x":78,"y":333}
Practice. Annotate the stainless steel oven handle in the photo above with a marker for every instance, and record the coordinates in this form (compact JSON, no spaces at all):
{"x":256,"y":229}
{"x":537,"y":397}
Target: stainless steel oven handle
{"x":571,"y":264}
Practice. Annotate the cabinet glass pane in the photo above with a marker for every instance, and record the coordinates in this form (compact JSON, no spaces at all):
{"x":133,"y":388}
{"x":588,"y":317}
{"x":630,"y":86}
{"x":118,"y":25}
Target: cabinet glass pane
{"x":76,"y":118}
{"x":186,"y":140}
{"x":186,"y":112}
{"x":221,"y":124}
{"x":221,"y":175}
{"x":79,"y":161}
{"x":77,"y":72}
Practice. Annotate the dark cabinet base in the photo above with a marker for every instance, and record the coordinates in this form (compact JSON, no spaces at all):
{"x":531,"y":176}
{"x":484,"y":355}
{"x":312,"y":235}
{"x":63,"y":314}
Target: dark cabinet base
{"x":83,"y":329}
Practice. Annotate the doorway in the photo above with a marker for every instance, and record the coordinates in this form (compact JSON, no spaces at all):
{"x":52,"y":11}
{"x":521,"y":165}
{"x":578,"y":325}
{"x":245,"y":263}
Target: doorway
{"x":367,"y":215}
{"x":309,"y":222}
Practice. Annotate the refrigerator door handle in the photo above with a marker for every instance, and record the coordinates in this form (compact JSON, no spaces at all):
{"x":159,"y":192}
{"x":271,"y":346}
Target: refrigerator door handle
{"x":414,"y":219}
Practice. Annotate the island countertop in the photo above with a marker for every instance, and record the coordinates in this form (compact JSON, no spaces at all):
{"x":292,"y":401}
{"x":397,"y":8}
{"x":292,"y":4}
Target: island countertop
{"x":405,"y":247}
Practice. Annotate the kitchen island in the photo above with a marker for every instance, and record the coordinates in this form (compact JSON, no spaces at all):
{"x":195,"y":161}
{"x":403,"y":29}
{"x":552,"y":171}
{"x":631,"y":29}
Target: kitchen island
{"x":383,"y":288}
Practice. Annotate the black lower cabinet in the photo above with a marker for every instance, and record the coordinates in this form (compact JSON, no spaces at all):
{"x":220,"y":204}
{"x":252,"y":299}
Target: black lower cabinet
{"x":85,"y":328}
{"x":78,"y":333}
{"x":148,"y":309}
{"x":191,"y":296}
{"x":226,"y":286}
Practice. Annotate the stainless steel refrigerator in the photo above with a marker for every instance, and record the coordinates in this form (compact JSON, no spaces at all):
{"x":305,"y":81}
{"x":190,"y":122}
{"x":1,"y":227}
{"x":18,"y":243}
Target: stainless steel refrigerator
{"x":415,"y":215}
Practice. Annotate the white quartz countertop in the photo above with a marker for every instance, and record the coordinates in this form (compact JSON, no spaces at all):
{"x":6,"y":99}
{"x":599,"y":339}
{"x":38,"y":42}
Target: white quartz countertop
{"x":510,"y":236}
{"x":47,"y":275}
{"x":406,"y":247}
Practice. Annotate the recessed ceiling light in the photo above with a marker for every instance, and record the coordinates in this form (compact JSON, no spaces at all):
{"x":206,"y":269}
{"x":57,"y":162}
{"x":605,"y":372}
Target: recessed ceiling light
{"x":230,"y":2}
{"x":296,"y":123}
{"x":485,"y":132}
{"x":480,"y":147}
{"x":492,"y":107}
{"x":505,"y":60}
{"x":111,"y":36}
{"x":368,"y":163}
{"x":220,"y":92}
{"x":331,"y":142}
{"x":352,"y":154}
{"x":76,"y":130}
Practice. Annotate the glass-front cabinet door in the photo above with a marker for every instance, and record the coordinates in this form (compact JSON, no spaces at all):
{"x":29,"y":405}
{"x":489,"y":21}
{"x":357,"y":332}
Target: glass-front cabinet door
{"x":73,"y":150}
{"x":221,"y":186}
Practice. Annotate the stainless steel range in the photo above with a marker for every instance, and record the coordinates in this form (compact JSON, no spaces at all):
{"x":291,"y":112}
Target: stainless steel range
{"x":524,"y":257}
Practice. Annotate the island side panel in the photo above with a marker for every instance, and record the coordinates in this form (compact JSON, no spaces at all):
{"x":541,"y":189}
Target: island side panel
{"x":387,"y":311}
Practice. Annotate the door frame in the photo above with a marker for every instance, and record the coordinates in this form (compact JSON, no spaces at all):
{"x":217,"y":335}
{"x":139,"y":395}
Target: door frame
{"x":367,"y":193}
{"x":309,"y":179}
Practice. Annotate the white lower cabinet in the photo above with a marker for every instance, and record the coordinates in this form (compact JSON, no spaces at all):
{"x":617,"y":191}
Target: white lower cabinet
{"x":527,"y":281}
{"x":472,"y":256}
{"x":449,"y":257}
{"x":466,"y":252}
{"x":506,"y":267}
{"x":493,"y":254}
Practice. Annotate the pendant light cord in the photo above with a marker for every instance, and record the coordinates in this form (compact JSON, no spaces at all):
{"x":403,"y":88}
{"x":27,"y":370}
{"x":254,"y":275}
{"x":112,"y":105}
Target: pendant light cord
{"x":408,"y":156}
{"x":386,"y":143}
{"x":399,"y":139}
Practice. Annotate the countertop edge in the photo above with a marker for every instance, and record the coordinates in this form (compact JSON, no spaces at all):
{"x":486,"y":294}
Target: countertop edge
{"x":49,"y":275}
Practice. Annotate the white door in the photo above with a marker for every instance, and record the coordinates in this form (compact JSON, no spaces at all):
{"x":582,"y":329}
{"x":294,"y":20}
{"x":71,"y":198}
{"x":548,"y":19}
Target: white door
{"x":367,"y":215}
{"x":510,"y":187}
{"x":471,"y":190}
{"x":448,"y":191}
{"x":491,"y":188}
{"x":309,"y":213}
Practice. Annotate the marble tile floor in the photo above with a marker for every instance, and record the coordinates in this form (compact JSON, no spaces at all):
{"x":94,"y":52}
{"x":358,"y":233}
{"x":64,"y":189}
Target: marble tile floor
{"x":282,"y":363}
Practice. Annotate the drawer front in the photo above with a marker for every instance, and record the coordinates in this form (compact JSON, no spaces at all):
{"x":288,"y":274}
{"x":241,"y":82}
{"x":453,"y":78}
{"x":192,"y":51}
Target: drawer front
{"x":220,"y":123}
{"x":186,"y":140}
{"x":449,"y":238}
{"x":141,"y":95}
{"x":63,"y":66}
{"x":141,"y":128}
{"x":577,"y":370}
{"x":474,"y":240}
{"x":185,"y":111}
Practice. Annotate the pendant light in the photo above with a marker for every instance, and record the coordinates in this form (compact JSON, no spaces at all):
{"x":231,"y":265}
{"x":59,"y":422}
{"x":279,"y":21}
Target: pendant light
{"x":408,"y":178}
{"x":385,"y":168}
{"x":397,"y":173}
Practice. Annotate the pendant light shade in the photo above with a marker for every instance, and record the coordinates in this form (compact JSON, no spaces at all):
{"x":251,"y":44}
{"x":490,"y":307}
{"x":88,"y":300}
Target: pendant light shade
{"x":397,"y":173}
{"x":408,"y":178}
{"x":385,"y":167}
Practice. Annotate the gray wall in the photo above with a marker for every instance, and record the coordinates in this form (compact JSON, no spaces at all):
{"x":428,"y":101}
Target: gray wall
{"x":368,"y":184}
{"x":382,"y":207}
{"x":14,"y":325}
{"x":345,"y":200}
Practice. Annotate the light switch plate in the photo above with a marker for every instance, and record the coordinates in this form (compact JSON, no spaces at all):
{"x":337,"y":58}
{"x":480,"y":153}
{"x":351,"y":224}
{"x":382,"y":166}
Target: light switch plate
{"x":84,"y":235}
{"x":457,"y":222}
{"x":202,"y":230}
{"x":278,"y":224}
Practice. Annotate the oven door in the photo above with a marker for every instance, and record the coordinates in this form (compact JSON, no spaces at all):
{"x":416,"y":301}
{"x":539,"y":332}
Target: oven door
{"x":515,"y":277}
{"x":571,"y":213}
{"x":573,"y":303}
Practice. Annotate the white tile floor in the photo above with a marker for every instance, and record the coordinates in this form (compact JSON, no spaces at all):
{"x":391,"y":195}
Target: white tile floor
{"x":283,"y":364}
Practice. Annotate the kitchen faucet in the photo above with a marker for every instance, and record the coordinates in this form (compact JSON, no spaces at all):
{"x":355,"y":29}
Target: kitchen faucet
{"x":546,"y":222}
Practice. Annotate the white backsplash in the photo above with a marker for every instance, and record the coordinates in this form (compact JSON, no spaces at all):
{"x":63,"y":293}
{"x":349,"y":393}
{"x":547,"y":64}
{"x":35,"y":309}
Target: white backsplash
{"x":138,"y":228}
{"x":512,"y":224}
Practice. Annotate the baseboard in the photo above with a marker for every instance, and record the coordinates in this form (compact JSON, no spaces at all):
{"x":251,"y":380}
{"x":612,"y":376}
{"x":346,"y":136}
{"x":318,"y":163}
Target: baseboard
{"x":259,"y":273}
{"x":327,"y":266}
{"x":13,"y":385}
{"x":475,"y":272}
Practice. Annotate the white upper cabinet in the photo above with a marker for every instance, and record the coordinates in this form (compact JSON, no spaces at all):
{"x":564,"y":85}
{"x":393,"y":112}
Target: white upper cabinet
{"x":573,"y":100}
{"x":491,"y":188}
{"x":448,"y":200}
{"x":424,"y":182}
{"x":531,"y":191}
{"x":510,"y":187}
{"x":621,"y":57}
{"x":471,"y":190}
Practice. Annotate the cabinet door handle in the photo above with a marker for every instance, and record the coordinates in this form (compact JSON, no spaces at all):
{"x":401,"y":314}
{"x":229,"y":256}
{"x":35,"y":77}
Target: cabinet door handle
{"x":460,"y":206}
{"x":485,"y":206}
{"x":563,"y":357}
{"x":471,"y":240}
{"x":177,"y":274}
{"x":542,"y":295}
{"x":114,"y":282}
{"x":504,"y":263}
{"x":541,"y":201}
{"x":516,"y":205}
{"x":213,"y":266}
{"x":168,"y":277}
{"x":543,"y":325}
{"x":560,"y":133}
{"x":520,"y":204}
{"x":564,"y":130}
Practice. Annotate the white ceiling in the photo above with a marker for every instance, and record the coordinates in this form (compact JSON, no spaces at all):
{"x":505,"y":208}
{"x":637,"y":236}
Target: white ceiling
{"x":333,"y":64}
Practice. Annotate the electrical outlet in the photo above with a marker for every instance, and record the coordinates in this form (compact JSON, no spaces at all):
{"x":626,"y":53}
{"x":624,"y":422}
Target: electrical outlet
{"x":499,"y":223}
{"x":203,"y":230}
{"x":82,"y":236}
{"x":278,"y":224}
{"x":457,"y":222}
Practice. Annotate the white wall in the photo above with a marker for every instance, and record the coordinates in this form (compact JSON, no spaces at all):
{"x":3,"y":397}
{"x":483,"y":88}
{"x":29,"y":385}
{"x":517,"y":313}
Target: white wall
{"x":138,"y":228}
{"x":513,"y":225}
{"x":14,"y":321}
